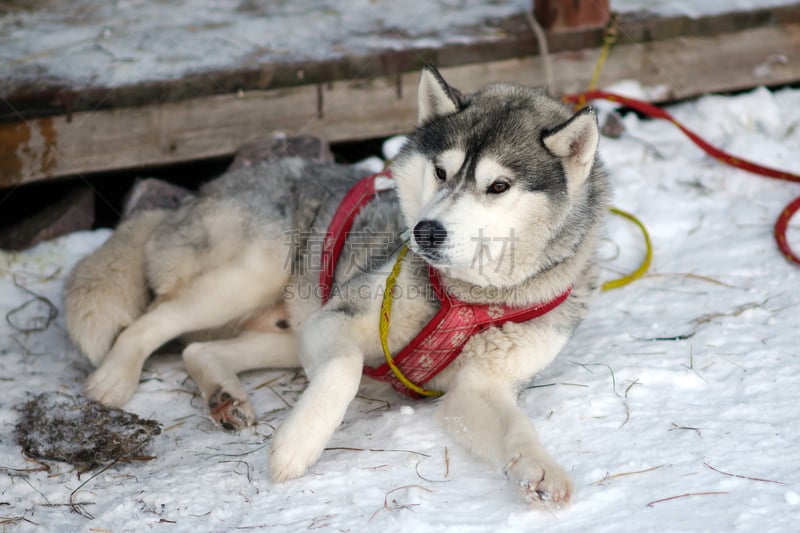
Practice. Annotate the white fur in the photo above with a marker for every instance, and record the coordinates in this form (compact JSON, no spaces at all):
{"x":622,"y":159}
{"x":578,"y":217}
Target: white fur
{"x":214,"y":366}
{"x":115,"y":275}
{"x":488,"y":250}
{"x":333,"y":359}
{"x":210,"y":299}
{"x":482,"y":247}
{"x":415,"y":186}
{"x":487,"y":171}
{"x":451,"y":161}
{"x":479,"y":409}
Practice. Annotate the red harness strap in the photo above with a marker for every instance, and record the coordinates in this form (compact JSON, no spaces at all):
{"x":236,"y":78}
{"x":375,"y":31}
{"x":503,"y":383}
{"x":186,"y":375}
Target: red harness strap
{"x":357,"y":197}
{"x":443,"y":338}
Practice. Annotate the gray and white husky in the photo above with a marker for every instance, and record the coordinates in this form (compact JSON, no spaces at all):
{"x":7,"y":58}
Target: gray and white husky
{"x":502,"y":193}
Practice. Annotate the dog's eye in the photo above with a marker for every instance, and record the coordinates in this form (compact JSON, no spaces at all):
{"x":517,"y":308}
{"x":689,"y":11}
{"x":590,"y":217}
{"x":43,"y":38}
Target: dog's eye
{"x":498,"y":187}
{"x":441,"y":175}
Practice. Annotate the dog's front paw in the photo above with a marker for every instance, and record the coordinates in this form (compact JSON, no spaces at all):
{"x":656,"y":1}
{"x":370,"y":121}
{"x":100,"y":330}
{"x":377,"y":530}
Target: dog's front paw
{"x":541,"y":482}
{"x":112,"y":384}
{"x":230,"y":412}
{"x":292,"y":452}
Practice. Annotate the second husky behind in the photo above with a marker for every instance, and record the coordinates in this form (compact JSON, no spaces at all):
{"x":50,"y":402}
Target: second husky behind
{"x":503,"y":195}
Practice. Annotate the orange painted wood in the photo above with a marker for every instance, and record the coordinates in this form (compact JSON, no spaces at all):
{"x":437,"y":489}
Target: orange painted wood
{"x":571,"y":14}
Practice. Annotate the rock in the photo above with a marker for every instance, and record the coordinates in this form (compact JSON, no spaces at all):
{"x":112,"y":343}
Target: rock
{"x":73,"y":212}
{"x":305,"y":146}
{"x":152,"y":193}
{"x":613,"y":126}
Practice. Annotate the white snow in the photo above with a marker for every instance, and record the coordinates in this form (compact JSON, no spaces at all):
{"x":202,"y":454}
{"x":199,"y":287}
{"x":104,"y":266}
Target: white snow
{"x":392,"y":146}
{"x":693,"y":8}
{"x":373,"y":164}
{"x":640,"y":423}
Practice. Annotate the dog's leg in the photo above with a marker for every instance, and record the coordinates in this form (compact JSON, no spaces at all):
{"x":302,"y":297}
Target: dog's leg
{"x":209,"y":300}
{"x":214,"y":367}
{"x":334,"y":362}
{"x":480,"y":408}
{"x":484,"y":416}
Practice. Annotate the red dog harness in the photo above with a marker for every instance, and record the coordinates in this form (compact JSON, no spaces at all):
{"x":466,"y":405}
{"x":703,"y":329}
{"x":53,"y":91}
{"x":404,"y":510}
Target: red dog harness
{"x":443,"y":338}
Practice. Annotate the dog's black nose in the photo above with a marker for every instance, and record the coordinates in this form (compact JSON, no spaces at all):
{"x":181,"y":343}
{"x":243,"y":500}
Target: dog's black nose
{"x":429,"y":234}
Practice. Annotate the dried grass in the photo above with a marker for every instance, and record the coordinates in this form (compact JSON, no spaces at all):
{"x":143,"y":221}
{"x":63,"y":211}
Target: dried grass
{"x":609,"y":477}
{"x":743,"y":477}
{"x":685,"y":495}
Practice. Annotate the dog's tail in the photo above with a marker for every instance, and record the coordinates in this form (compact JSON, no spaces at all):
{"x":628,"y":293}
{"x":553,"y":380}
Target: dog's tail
{"x":107,"y":290}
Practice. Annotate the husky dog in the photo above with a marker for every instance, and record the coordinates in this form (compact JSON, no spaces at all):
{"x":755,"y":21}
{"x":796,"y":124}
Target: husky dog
{"x":503,"y":195}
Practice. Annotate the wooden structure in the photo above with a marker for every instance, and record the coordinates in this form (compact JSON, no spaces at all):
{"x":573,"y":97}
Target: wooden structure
{"x":566,"y":15}
{"x":59,"y":128}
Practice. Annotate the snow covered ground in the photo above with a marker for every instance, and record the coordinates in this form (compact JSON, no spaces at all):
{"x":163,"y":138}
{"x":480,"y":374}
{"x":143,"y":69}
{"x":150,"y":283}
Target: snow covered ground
{"x":670,"y":385}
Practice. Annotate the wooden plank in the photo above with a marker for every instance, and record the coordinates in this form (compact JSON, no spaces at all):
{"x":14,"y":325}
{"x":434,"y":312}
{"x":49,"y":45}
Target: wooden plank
{"x":349,"y":110}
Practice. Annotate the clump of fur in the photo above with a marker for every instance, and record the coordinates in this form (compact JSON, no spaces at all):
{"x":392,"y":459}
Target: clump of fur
{"x":79,"y":431}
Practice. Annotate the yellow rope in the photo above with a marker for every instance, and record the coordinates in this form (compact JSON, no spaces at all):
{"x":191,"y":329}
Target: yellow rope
{"x":609,"y":38}
{"x":383,"y":328}
{"x":648,"y":256}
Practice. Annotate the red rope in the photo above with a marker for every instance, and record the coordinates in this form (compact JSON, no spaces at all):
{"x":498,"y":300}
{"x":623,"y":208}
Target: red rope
{"x":650,"y":110}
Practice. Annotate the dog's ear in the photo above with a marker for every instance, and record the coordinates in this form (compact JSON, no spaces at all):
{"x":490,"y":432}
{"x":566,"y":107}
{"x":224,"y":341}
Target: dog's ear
{"x":435,"y":97}
{"x":575,"y":142}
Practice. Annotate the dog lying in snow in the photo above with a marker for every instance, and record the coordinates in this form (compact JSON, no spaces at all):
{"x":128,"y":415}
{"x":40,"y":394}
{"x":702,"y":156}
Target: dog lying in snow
{"x":499,"y":196}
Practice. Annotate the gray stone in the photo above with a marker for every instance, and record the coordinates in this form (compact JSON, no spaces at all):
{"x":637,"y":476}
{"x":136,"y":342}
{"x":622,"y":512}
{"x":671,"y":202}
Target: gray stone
{"x":613,"y":126}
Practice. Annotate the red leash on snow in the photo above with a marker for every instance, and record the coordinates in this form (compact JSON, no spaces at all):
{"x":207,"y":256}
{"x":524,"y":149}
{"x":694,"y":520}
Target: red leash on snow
{"x":650,"y":110}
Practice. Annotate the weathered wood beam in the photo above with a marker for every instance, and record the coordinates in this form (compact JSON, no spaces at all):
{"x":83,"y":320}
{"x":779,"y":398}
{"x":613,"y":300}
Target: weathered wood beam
{"x":212,"y":126}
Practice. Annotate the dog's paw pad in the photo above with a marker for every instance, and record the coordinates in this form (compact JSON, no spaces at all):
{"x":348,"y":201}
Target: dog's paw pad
{"x":230,"y":412}
{"x":540,"y":482}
